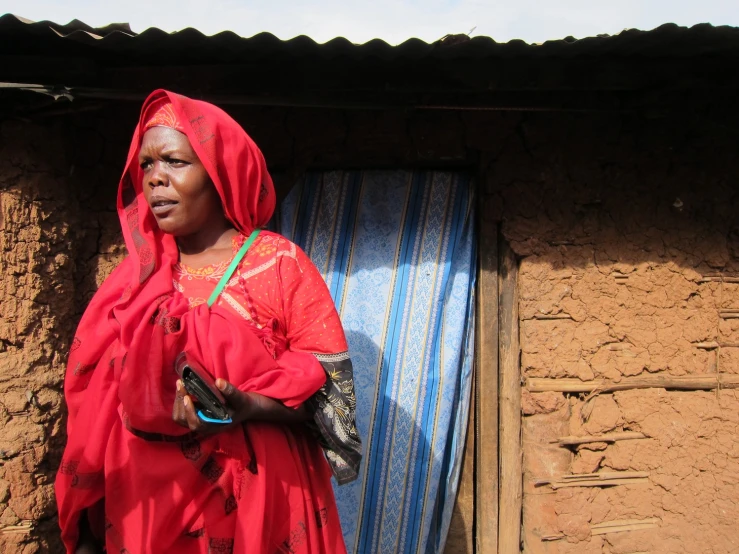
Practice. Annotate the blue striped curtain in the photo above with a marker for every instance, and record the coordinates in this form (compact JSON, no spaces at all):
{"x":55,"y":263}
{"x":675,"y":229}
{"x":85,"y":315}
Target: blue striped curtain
{"x":397,"y":251}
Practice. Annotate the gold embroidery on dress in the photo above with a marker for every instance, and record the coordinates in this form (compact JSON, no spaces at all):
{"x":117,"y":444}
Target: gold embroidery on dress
{"x":195,"y":301}
{"x":262,"y":255}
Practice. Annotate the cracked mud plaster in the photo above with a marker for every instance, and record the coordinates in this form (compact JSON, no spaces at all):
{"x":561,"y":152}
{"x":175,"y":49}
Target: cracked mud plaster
{"x":611,"y":285}
{"x":37,"y":291}
{"x":55,"y":249}
{"x":692,"y":456}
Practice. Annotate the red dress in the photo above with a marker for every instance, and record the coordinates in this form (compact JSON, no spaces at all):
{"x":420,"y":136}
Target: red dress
{"x":146,"y":483}
{"x":277,"y":289}
{"x":276,"y":286}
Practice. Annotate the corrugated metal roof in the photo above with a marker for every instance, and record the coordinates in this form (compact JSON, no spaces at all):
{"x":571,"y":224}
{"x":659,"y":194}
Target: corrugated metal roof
{"x":114,"y":62}
{"x":668,"y":40}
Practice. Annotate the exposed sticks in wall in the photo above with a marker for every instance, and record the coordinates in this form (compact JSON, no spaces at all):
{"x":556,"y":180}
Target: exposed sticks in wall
{"x":546,"y":317}
{"x":25,"y":526}
{"x":604,"y":479}
{"x":718,"y":279}
{"x":728,"y":314}
{"x":563,"y":243}
{"x":607,"y":437}
{"x":615,"y":526}
{"x":712,"y":345}
{"x":686,"y":382}
{"x":720,"y":274}
{"x":618,"y":526}
{"x":618,"y":346}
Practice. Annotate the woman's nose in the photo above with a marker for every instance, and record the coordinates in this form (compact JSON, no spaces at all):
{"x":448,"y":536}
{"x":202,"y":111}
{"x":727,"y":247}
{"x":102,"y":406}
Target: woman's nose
{"x":158,"y":175}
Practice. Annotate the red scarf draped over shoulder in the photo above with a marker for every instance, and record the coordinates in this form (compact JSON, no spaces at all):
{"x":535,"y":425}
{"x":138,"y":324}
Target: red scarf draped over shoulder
{"x":120,"y":372}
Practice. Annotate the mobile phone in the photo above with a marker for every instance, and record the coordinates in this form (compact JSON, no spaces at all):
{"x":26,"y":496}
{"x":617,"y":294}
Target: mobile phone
{"x":210,"y":403}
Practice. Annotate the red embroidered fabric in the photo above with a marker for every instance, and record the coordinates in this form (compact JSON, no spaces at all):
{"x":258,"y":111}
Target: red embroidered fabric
{"x":152,"y":485}
{"x":276,"y":287}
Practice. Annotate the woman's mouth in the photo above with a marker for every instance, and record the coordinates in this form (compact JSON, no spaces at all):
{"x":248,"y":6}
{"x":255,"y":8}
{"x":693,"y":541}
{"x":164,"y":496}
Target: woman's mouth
{"x":162,"y":207}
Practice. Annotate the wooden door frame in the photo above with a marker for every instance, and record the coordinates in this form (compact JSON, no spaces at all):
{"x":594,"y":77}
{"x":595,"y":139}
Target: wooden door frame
{"x":486,"y":389}
{"x":498,"y":453}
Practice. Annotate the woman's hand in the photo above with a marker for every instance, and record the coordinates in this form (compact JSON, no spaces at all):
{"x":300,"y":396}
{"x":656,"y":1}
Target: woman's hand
{"x":242,"y":406}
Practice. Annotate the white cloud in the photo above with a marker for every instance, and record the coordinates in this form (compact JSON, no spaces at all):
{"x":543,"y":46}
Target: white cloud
{"x":391,"y":20}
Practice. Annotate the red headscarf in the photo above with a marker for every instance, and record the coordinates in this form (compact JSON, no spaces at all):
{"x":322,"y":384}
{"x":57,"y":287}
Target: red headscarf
{"x":160,"y":113}
{"x":121,"y":365}
{"x":233,"y":161}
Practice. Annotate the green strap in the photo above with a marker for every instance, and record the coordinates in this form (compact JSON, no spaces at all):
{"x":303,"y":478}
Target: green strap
{"x":232,"y":267}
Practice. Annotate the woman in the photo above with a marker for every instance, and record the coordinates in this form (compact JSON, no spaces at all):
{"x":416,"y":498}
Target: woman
{"x":142,"y":471}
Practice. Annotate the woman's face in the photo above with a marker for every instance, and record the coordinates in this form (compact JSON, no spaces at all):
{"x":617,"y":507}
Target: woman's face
{"x":176,"y":185}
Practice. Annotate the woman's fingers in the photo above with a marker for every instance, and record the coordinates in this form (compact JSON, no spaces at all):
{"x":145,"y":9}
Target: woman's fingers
{"x":226,"y":388}
{"x":239,"y":402}
{"x":191,"y":417}
{"x":185,"y":413}
{"x":178,"y":409}
{"x":197,"y":425}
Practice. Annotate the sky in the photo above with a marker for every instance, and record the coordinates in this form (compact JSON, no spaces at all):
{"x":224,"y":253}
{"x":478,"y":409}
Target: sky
{"x":391,"y":20}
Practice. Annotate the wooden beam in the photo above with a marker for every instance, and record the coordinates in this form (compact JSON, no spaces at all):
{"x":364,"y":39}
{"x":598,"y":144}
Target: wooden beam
{"x":486,"y":389}
{"x":511,"y":459}
{"x":314,"y":72}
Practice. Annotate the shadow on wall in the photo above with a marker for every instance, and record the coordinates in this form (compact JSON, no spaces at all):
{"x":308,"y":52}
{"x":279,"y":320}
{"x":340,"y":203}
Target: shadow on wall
{"x":627,"y":234}
{"x":97,"y":148}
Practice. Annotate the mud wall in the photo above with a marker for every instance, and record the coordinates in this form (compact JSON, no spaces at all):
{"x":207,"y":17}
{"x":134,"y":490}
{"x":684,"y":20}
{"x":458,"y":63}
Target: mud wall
{"x":38,"y":223}
{"x":623,"y":224}
{"x":59,"y":238}
{"x":628,"y":240}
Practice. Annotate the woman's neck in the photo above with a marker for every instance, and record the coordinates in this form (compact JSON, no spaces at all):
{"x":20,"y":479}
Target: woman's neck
{"x":217,"y":238}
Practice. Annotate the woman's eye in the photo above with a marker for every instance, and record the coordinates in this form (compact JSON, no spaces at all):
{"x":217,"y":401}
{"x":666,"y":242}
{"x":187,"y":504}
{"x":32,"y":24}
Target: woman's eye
{"x":145,"y":165}
{"x":176,"y":162}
